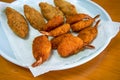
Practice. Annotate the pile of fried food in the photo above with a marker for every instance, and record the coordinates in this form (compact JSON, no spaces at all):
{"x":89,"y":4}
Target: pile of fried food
{"x":62,"y":21}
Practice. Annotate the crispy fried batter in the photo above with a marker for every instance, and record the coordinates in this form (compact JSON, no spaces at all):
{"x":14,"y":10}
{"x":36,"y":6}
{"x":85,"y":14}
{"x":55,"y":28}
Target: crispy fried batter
{"x":53,"y":23}
{"x":67,"y":8}
{"x":83,"y":24}
{"x":69,"y":46}
{"x":77,"y":17}
{"x":89,"y":34}
{"x":58,"y":31}
{"x":49,"y":11}
{"x":41,"y":50}
{"x":17,"y":22}
{"x":55,"y":41}
{"x":34,"y":17}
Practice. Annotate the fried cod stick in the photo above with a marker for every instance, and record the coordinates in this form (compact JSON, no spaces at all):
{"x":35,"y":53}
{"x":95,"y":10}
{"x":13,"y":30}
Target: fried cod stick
{"x":17,"y":22}
{"x":49,"y":11}
{"x":67,"y":8}
{"x":34,"y":17}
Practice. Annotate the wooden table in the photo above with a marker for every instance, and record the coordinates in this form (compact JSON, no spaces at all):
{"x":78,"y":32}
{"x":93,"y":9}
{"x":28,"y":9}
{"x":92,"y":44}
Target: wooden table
{"x":106,"y":66}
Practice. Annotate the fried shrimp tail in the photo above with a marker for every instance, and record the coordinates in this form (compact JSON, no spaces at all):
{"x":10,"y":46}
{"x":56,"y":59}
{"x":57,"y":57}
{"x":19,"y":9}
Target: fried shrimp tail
{"x":58,"y":31}
{"x":17,"y":22}
{"x":45,"y":33}
{"x":97,"y":16}
{"x":38,"y":62}
{"x":83,"y":24}
{"x":34,"y":17}
{"x":97,"y":23}
{"x":88,"y":46}
{"x":41,"y":49}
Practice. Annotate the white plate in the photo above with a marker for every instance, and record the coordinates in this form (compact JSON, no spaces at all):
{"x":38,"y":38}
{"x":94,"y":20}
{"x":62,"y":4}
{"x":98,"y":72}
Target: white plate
{"x":84,"y":6}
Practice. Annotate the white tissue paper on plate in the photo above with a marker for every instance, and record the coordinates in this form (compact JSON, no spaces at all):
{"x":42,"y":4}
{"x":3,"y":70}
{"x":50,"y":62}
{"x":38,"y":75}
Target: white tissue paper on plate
{"x":22,"y":48}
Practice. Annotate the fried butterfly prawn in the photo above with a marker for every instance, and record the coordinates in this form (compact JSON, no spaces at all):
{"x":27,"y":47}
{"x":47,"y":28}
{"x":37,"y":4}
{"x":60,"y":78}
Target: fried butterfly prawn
{"x":83,"y":24}
{"x":41,"y":49}
{"x":49,"y":11}
{"x":67,"y":8}
{"x":56,"y":40}
{"x":58,"y":31}
{"x":77,"y":17}
{"x":69,"y":46}
{"x":89,"y":34}
{"x":34,"y":17}
{"x":53,"y":23}
{"x":17,"y":22}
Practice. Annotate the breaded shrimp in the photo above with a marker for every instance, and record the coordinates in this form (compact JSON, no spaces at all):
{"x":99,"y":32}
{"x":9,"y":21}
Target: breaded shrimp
{"x":77,"y":17}
{"x":83,"y":24}
{"x":34,"y":17}
{"x":89,"y":34}
{"x":53,"y":23}
{"x":56,"y":40}
{"x":67,"y":8}
{"x":69,"y":46}
{"x":17,"y":22}
{"x":41,"y":49}
{"x":49,"y":11}
{"x":58,"y":31}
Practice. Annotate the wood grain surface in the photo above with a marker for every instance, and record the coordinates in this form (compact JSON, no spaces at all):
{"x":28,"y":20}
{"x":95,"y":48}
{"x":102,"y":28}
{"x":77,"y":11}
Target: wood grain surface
{"x":105,"y":66}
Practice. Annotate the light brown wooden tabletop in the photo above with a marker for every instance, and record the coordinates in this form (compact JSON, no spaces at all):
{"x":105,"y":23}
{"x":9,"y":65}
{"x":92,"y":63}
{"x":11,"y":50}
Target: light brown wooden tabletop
{"x":105,"y":66}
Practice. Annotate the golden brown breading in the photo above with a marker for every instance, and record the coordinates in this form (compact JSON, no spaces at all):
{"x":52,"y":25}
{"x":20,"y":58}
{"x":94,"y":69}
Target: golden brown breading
{"x":49,"y":11}
{"x":56,"y":40}
{"x":89,"y":34}
{"x":69,"y":46}
{"x":53,"y":23}
{"x":83,"y":24}
{"x":67,"y":8}
{"x":41,"y":49}
{"x":77,"y":17}
{"x":17,"y":22}
{"x":58,"y":31}
{"x":34,"y":17}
